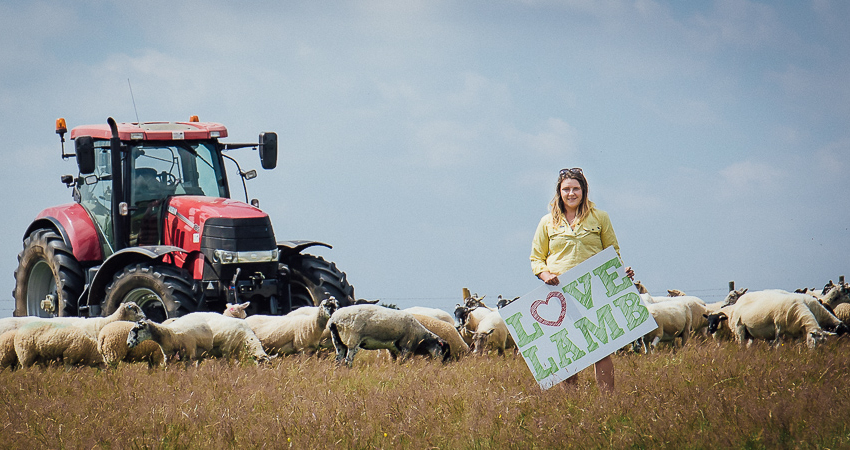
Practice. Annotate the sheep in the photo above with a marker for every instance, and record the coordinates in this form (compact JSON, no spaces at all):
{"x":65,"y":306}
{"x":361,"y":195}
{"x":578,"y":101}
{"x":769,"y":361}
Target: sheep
{"x":476,"y":302}
{"x":432,"y":312}
{"x":232,"y":337}
{"x":190,"y":341}
{"x":373,"y":327}
{"x":772,"y":315}
{"x":481,"y":337}
{"x":842,"y":312}
{"x":113,"y":346}
{"x":675,"y":293}
{"x":824,"y":315}
{"x":126,"y":311}
{"x":13,"y":323}
{"x":236,"y":310}
{"x":446,"y":332}
{"x":835,"y":295}
{"x":293,"y":333}
{"x":674,"y":321}
{"x":8,"y":357}
{"x":491,"y":333}
{"x":697,"y":307}
{"x":641,"y":288}
{"x":716,"y":321}
{"x":47,"y":340}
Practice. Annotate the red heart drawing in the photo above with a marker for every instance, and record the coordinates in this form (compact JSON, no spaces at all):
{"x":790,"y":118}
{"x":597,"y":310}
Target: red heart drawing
{"x":550,"y":323}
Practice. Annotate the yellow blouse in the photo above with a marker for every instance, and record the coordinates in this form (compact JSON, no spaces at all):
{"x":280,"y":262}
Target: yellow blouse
{"x":558,"y":249}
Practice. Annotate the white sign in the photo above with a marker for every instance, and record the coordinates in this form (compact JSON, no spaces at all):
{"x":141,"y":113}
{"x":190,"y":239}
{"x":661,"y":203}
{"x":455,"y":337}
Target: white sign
{"x":593,"y":312}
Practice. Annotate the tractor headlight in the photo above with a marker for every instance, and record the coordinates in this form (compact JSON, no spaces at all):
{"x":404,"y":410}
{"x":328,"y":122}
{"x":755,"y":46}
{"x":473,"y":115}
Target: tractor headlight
{"x":228,"y":257}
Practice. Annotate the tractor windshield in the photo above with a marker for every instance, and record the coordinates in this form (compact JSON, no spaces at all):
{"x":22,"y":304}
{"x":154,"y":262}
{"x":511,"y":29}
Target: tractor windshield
{"x":185,"y":168}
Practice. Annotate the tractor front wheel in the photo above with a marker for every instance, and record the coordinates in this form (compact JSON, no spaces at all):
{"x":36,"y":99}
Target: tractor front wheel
{"x":49,"y":279}
{"x":161,"y":291}
{"x":314,"y":279}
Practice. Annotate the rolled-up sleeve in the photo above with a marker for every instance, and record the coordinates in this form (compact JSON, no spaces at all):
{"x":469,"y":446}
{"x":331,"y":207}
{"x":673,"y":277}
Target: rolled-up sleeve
{"x":607,"y":232}
{"x":540,"y":247}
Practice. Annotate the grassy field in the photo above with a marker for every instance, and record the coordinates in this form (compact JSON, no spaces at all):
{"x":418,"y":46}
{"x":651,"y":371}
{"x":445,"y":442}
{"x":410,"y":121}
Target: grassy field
{"x":702,"y":396}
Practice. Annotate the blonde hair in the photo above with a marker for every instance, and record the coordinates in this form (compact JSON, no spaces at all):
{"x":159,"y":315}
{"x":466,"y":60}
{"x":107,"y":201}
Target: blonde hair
{"x":556,"y":206}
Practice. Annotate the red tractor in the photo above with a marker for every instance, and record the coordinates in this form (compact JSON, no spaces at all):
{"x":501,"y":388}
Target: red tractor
{"x":152,"y":222}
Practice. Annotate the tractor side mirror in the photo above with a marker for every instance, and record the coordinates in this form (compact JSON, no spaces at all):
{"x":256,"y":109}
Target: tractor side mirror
{"x":268,"y":150}
{"x":84,"y":148}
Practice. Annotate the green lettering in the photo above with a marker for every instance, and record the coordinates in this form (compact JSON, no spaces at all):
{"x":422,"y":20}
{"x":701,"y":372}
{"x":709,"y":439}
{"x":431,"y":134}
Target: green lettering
{"x":540,"y":372}
{"x":608,"y":279}
{"x":633,"y":309}
{"x":585,"y":298}
{"x":523,"y":338}
{"x":566,"y":347}
{"x":605,"y":317}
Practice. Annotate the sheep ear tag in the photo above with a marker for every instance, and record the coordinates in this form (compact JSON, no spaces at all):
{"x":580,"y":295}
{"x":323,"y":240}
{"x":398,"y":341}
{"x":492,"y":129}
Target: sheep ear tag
{"x":537,"y":304}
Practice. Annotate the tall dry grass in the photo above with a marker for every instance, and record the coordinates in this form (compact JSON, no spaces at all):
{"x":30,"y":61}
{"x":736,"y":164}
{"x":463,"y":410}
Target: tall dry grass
{"x":702,"y":396}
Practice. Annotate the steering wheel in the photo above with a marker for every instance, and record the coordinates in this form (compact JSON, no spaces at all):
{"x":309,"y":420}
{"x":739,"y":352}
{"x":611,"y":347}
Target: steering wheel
{"x":168,"y":179}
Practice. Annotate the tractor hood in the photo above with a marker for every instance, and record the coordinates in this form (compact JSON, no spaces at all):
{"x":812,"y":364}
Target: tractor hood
{"x":196,"y":222}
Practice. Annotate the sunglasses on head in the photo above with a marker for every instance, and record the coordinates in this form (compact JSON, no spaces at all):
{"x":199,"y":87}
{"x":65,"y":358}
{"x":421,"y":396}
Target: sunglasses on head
{"x":573,"y":171}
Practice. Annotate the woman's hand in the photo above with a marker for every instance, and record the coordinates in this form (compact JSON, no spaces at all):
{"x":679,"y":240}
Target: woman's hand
{"x":548,"y":278}
{"x":630,"y":273}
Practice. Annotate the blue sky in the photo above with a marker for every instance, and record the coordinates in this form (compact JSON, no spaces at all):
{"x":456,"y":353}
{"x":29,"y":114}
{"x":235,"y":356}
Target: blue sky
{"x":423,"y":139}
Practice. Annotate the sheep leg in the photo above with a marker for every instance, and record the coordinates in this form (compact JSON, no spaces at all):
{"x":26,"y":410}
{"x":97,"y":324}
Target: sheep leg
{"x":349,"y":358}
{"x":340,"y":348}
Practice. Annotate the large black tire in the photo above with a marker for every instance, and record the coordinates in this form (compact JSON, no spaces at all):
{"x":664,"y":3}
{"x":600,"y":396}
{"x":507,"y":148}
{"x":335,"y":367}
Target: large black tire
{"x":161,"y":291}
{"x":314,"y":279}
{"x":47,"y":267}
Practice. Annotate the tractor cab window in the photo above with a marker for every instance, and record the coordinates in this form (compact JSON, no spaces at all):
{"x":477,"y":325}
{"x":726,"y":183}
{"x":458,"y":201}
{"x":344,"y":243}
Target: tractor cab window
{"x":164,"y":170}
{"x":96,"y":195}
{"x":184,"y":168}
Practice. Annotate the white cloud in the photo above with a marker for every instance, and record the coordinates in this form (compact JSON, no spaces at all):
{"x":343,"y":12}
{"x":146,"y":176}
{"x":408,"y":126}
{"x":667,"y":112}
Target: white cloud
{"x":746,"y":178}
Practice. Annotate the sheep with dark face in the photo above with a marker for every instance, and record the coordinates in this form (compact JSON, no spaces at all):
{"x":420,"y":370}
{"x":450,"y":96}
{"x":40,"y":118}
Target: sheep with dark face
{"x":773,"y":315}
{"x":373,"y":327}
{"x":187,"y":343}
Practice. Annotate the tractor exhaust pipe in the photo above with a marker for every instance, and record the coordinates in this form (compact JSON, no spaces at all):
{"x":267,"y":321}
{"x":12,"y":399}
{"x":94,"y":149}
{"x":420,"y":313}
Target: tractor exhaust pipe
{"x":119,"y":222}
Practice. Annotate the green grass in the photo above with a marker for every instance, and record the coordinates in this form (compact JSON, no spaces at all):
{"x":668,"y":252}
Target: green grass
{"x":702,"y":396}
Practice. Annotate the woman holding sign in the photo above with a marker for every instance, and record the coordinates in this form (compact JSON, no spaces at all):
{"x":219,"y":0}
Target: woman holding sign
{"x":573,"y":231}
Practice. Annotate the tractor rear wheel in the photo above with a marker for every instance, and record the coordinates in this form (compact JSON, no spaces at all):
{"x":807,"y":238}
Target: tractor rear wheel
{"x":161,"y":291}
{"x":49,"y":279}
{"x":314,"y":279}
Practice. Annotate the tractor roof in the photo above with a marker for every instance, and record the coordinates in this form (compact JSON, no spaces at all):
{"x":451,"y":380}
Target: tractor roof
{"x":155,"y":131}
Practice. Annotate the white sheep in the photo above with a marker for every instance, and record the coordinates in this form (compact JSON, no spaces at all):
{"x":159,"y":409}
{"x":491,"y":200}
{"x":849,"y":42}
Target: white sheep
{"x":471,"y":318}
{"x":126,"y":311}
{"x":674,"y":321}
{"x":232,"y":337}
{"x":373,"y":327}
{"x":432,"y":312}
{"x":772,"y":315}
{"x":8,"y":357}
{"x":696,"y":306}
{"x":48,"y":340}
{"x":13,"y":323}
{"x":236,"y":310}
{"x":491,"y":333}
{"x":293,"y":333}
{"x":826,"y":318}
{"x":447,"y":332}
{"x":187,"y":340}
{"x":112,"y":345}
{"x":842,"y":312}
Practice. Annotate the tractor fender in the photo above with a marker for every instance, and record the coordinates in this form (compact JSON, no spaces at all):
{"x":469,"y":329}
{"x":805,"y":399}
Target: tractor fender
{"x":96,"y":291}
{"x":287,"y":248}
{"x":73,"y":223}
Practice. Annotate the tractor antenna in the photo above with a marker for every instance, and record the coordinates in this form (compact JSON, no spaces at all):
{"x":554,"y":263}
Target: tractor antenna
{"x":134,"y":102}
